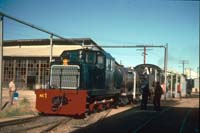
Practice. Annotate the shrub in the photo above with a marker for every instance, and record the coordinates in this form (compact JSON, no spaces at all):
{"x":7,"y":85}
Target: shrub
{"x":22,"y":108}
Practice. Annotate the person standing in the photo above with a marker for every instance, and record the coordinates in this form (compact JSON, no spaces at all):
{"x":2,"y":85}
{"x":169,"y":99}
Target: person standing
{"x":145,"y":94}
{"x":179,"y":90}
{"x":157,"y":96}
{"x":12,"y":89}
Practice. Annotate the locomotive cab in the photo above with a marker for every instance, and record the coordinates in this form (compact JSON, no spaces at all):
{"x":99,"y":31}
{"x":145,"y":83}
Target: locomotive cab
{"x":91,"y":66}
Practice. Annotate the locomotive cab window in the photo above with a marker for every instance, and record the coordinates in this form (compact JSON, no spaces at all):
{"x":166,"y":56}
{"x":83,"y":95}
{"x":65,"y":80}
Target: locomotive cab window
{"x":112,"y":63}
{"x":100,"y":62}
{"x":90,"y":57}
{"x":70,"y":55}
{"x":74,"y":56}
{"x":100,"y":59}
{"x":108,"y":64}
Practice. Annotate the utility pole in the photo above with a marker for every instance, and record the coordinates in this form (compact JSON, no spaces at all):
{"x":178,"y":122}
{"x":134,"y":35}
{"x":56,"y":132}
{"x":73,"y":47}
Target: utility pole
{"x":51,"y":49}
{"x":144,"y":53}
{"x":190,"y":70}
{"x":183,"y":62}
{"x":165,"y":69}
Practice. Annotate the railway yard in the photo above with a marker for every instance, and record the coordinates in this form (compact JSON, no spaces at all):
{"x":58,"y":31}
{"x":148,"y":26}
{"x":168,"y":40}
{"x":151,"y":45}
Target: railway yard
{"x":57,"y":84}
{"x":176,"y":115}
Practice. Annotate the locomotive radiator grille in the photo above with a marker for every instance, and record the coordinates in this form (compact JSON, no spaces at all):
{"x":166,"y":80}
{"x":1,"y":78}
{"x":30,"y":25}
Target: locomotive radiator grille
{"x":65,"y":77}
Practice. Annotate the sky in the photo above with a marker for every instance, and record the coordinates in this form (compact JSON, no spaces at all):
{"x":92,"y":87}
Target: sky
{"x":115,"y":22}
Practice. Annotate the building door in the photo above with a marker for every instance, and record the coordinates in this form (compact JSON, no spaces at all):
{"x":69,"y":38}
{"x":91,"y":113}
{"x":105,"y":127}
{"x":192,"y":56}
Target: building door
{"x":31,"y":82}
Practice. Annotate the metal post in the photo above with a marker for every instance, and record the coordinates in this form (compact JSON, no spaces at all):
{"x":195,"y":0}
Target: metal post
{"x":39,"y":74}
{"x":155,"y":80}
{"x":26,"y":82}
{"x":51,"y":48}
{"x":176,"y":84}
{"x":1,"y":57}
{"x":144,"y":55}
{"x":134,"y":85}
{"x":165,"y":69}
{"x":171,"y":85}
{"x":14,"y":70}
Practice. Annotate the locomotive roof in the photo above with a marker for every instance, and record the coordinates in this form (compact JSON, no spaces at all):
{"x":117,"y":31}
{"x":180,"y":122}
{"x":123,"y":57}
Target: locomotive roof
{"x":148,"y":65}
{"x":100,"y":50}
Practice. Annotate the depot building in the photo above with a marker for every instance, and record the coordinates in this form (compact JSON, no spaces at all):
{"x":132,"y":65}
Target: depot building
{"x":28,"y":61}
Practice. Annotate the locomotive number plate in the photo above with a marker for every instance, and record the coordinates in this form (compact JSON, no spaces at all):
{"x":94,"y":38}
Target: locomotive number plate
{"x":43,"y":95}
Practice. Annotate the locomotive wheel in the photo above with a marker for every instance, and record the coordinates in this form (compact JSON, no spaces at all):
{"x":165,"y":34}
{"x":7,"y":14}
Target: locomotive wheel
{"x":107,"y":105}
{"x":95,"y":109}
{"x":41,"y":114}
{"x":100,"y":107}
{"x":103,"y":106}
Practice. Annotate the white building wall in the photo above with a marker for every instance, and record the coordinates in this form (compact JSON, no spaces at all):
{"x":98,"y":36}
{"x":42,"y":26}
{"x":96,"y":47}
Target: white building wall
{"x":183,"y":86}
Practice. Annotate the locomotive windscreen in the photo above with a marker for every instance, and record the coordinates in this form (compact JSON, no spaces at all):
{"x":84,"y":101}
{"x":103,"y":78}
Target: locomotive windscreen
{"x":65,"y":76}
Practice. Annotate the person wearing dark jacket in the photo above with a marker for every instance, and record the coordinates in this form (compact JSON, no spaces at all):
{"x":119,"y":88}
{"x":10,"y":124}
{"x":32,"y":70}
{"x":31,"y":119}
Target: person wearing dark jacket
{"x":145,"y":94}
{"x":157,"y":96}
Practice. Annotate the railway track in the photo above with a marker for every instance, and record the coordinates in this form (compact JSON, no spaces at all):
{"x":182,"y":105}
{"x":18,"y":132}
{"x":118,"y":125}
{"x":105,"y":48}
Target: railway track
{"x":44,"y":124}
{"x":171,"y":118}
{"x":149,"y":121}
{"x":149,"y":125}
{"x":17,"y":121}
{"x":56,"y":125}
{"x":35,"y":124}
{"x":97,"y":123}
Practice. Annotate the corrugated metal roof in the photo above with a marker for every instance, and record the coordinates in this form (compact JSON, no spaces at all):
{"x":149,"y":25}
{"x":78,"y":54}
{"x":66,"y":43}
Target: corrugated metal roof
{"x":77,"y":41}
{"x":36,"y":51}
{"x":41,"y":47}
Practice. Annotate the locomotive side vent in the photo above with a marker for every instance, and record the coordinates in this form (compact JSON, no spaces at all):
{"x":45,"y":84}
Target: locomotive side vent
{"x":65,"y":76}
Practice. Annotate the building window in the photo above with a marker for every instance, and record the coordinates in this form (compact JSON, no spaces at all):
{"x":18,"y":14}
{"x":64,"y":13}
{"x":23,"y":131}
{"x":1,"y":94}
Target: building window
{"x":26,"y":71}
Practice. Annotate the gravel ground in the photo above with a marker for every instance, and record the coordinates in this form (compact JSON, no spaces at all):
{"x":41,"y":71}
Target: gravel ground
{"x":28,"y":94}
{"x":79,"y":123}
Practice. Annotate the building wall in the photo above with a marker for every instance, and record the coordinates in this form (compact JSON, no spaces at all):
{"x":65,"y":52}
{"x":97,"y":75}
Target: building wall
{"x":196,"y":85}
{"x":27,"y":72}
